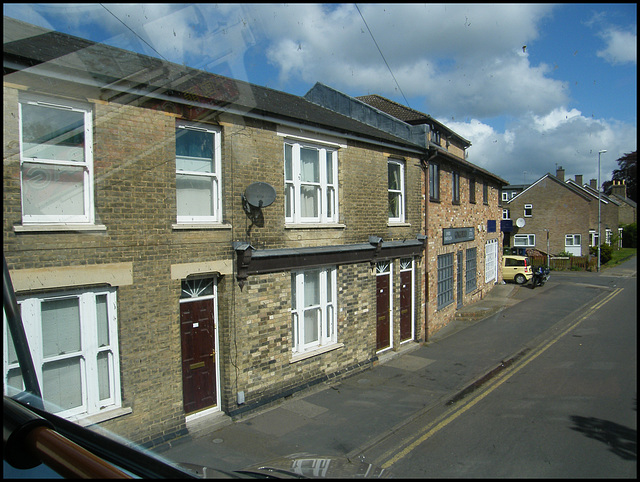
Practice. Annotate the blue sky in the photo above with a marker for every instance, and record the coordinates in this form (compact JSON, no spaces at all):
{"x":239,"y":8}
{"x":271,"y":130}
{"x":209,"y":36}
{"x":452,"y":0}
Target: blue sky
{"x":570,"y":93}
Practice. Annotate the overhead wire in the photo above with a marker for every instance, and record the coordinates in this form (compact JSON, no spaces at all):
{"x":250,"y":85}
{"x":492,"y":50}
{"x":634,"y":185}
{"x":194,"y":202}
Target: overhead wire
{"x":134,"y":33}
{"x":382,"y":55}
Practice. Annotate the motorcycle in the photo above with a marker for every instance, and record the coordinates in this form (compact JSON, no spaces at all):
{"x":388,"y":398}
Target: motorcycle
{"x":540,"y":276}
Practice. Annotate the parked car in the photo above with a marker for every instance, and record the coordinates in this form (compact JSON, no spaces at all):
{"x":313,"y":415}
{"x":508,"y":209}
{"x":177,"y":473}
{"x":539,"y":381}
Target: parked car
{"x":516,"y":268}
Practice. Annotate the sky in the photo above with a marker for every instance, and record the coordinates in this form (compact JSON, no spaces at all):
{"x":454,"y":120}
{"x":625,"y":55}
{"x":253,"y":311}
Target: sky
{"x":533,"y":87}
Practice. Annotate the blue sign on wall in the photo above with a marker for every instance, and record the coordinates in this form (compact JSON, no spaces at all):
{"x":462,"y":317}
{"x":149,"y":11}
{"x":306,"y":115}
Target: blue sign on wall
{"x":506,"y":225}
{"x":491,"y":225}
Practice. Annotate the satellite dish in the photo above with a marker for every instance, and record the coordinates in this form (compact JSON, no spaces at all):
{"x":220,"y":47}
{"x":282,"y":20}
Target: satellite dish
{"x":520,"y":222}
{"x":260,"y":194}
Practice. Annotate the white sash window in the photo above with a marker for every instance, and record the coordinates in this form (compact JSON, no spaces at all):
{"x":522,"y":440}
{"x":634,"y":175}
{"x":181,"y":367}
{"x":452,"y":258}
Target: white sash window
{"x":73,"y":339}
{"x":56,"y":161}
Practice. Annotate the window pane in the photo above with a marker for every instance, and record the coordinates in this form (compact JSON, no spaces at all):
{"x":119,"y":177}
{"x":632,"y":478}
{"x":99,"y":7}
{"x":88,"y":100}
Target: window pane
{"x":54,"y":134}
{"x":102,"y":320}
{"x":195,"y":288}
{"x":61,"y":384}
{"x":309,"y":201}
{"x":309,"y":165}
{"x":288,"y":200}
{"x":311,"y":288}
{"x":394,"y":176}
{"x":330,"y":201}
{"x":394,"y":205}
{"x":288,"y":166}
{"x":329,"y":167}
{"x":60,"y":327}
{"x":15,"y":383}
{"x":194,"y":195}
{"x":191,"y":143}
{"x":311,"y":325}
{"x":195,"y":164}
{"x":104,"y":368}
{"x":11,"y":349}
{"x":52,"y":189}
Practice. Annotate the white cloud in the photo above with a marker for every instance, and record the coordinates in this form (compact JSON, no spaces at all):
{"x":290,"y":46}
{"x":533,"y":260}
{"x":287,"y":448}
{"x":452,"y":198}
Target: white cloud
{"x":467,"y":60}
{"x":567,"y":139}
{"x":554,"y":119}
{"x":463,"y":64}
{"x":622,"y":47}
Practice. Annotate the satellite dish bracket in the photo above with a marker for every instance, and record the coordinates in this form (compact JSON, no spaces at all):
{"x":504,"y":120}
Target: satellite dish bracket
{"x":257,"y":196}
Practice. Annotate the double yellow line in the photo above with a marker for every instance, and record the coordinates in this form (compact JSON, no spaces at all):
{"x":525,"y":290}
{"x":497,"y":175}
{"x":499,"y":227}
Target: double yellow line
{"x":388,"y":459}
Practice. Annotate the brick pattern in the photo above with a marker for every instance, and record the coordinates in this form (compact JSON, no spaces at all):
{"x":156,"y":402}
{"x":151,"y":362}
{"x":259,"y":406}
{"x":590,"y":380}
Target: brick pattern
{"x":562,"y":211}
{"x":445,"y":214}
{"x":134,"y":165}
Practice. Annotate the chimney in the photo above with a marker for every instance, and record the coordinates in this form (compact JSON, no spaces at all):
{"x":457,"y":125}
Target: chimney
{"x":560,"y":173}
{"x":579,"y":179}
{"x":619,"y":188}
{"x":593,"y":184}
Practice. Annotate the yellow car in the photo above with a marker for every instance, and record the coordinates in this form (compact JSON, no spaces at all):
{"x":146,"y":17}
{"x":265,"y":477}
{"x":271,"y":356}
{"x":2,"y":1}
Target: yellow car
{"x":516,"y":268}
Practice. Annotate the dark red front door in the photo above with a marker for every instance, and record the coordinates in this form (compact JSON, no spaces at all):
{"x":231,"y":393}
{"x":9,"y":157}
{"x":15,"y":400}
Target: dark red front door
{"x":383,"y":338}
{"x":406,"y":300}
{"x":197,"y":330}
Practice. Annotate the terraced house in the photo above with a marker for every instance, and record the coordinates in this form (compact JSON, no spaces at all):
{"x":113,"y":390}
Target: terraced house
{"x":462,"y":205}
{"x":183,"y":244}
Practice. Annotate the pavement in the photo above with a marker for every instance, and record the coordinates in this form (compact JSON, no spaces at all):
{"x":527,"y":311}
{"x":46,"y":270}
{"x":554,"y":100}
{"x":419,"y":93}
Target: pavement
{"x":344,"y":417}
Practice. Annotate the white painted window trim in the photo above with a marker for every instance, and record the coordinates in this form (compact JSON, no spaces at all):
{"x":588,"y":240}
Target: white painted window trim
{"x":293,"y":185}
{"x":572,"y":240}
{"x":216,"y":177}
{"x":399,"y":192}
{"x":88,"y":216}
{"x":91,"y":405}
{"x":530,"y":240}
{"x":328,"y":309}
{"x":528,"y":210}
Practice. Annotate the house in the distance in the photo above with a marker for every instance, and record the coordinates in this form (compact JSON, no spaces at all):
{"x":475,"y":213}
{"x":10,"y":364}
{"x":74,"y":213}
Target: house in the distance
{"x":554,"y":215}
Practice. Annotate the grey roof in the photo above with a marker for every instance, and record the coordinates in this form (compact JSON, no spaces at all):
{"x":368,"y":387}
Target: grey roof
{"x":626,"y":200}
{"x":573,"y":187}
{"x":407,"y":114}
{"x":344,"y":104}
{"x":45,"y":52}
{"x":353,"y":107}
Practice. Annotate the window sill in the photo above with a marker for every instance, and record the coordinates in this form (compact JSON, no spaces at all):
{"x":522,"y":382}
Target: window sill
{"x":398,"y":224}
{"x":42,"y":228}
{"x":314,"y":226}
{"x":86,"y":420}
{"x":183,"y":226}
{"x":312,"y":353}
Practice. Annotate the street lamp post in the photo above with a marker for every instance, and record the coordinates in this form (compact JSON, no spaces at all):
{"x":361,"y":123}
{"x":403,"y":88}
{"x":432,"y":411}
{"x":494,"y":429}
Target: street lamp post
{"x":599,"y":153}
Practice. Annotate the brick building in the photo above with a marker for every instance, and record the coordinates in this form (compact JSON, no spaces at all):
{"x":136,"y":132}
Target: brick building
{"x":183,"y":244}
{"x":628,"y":211}
{"x":462,"y":204}
{"x":558,"y":215}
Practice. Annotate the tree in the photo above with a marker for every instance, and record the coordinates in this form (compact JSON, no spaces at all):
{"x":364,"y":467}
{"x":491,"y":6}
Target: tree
{"x":627,"y":173}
